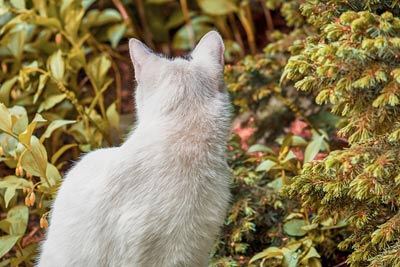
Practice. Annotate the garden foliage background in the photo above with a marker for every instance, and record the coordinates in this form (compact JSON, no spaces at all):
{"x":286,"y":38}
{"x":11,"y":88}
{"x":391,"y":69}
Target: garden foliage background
{"x":315,"y":140}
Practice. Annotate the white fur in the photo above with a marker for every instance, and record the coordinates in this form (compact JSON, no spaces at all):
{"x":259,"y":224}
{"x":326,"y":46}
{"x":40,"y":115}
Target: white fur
{"x":160,"y":198}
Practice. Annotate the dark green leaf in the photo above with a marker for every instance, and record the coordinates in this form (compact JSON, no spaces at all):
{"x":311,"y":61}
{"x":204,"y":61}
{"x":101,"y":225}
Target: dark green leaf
{"x":294,"y":227}
{"x":6,"y":243}
{"x":217,"y":8}
{"x":35,"y":161}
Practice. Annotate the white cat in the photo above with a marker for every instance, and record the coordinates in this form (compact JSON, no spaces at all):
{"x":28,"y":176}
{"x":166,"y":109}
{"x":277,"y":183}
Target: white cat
{"x":160,"y":198}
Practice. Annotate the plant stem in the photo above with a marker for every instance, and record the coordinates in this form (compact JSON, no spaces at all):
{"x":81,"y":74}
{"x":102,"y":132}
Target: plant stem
{"x":146,"y":32}
{"x":189,"y":26}
{"x":118,"y":87}
{"x":249,"y":31}
{"x":124,"y":15}
{"x":236,"y":33}
{"x":268,"y":17}
{"x":284,"y":180}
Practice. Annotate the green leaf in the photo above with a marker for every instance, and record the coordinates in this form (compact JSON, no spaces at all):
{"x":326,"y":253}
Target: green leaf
{"x":290,"y":155}
{"x":14,"y":181}
{"x":42,"y":82}
{"x":87,"y":3}
{"x":19,"y":118}
{"x":5,"y":226}
{"x":158,"y":1}
{"x":28,"y":254}
{"x":73,"y":15}
{"x":11,"y":183}
{"x":16,"y":41}
{"x":217,"y":8}
{"x":290,"y":258}
{"x":175,"y":19}
{"x":5,"y":90}
{"x":5,"y":263}
{"x":35,"y":161}
{"x":25,"y":137}
{"x":313,"y":148}
{"x":9,"y":194}
{"x":48,"y":22}
{"x":5,"y":119}
{"x":95,"y":18}
{"x":276,"y":184}
{"x":294,"y":227}
{"x":260,"y":148}
{"x":97,"y":70}
{"x":56,"y":65}
{"x":269,"y":253}
{"x":312,"y":253}
{"x":309,"y":227}
{"x":266,"y":165}
{"x":18,"y":4}
{"x":298,"y":141}
{"x":51,"y":101}
{"x":18,"y":217}
{"x":52,"y":175}
{"x":113,"y":116}
{"x":200,"y":26}
{"x":6,"y":243}
{"x":53,"y":126}
{"x":61,"y":151}
{"x":115,"y":34}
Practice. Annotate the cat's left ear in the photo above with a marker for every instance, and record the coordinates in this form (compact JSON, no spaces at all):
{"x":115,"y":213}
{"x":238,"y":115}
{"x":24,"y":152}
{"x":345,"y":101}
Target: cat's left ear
{"x":139,"y":53}
{"x":210,"y":47}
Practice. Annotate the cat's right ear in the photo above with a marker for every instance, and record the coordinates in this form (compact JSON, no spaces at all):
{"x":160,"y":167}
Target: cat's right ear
{"x":139,"y":53}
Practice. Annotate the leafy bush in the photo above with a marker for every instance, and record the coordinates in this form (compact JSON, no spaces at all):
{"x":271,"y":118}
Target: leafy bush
{"x":60,"y":95}
{"x":353,"y":64}
{"x":263,"y":227}
{"x":56,"y":69}
{"x":179,"y":24}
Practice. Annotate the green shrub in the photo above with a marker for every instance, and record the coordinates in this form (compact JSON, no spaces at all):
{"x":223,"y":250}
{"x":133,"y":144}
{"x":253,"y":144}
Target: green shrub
{"x":353,"y":65}
{"x":56,"y":69}
{"x":263,"y":227}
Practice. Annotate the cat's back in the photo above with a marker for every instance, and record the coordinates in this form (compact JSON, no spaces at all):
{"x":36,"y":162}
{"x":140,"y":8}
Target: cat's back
{"x":78,"y":212}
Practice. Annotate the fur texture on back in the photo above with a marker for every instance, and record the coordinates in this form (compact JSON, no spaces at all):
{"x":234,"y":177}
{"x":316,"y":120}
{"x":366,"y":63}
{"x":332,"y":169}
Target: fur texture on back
{"x":160,"y":198}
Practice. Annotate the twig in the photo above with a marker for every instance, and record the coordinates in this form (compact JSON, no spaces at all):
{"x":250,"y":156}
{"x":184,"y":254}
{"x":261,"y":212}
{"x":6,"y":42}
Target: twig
{"x":147,"y":33}
{"x":220,"y":22}
{"x":117,"y":86}
{"x":236,"y":33}
{"x":124,"y":15}
{"x":267,"y":14}
{"x":340,"y":264}
{"x":249,"y":31}
{"x":189,"y":26}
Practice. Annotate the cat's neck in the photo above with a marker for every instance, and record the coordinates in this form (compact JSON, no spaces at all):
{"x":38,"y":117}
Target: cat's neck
{"x":202,"y":130}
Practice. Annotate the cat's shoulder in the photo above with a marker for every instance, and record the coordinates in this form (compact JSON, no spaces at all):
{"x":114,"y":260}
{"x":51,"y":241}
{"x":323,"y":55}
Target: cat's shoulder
{"x":97,"y":159}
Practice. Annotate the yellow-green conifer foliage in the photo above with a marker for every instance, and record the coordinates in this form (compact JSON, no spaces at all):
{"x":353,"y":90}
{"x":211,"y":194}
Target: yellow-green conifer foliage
{"x":353,"y":66}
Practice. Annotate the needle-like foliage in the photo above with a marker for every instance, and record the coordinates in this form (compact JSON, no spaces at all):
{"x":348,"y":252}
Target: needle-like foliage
{"x":352,"y":65}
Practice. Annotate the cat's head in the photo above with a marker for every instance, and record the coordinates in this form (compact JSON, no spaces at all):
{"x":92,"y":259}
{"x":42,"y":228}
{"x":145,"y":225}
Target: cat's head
{"x":167,"y":85}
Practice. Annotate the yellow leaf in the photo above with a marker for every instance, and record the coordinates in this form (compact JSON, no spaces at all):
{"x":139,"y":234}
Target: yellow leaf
{"x":35,"y":161}
{"x":5,"y":119}
{"x":25,"y":136}
{"x":56,"y":65}
{"x":53,"y":126}
{"x":112,"y":115}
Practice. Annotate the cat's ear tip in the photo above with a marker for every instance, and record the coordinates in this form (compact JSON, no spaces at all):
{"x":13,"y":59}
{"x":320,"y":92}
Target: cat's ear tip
{"x":134,"y":42}
{"x":137,"y":48}
{"x":214,"y":35}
